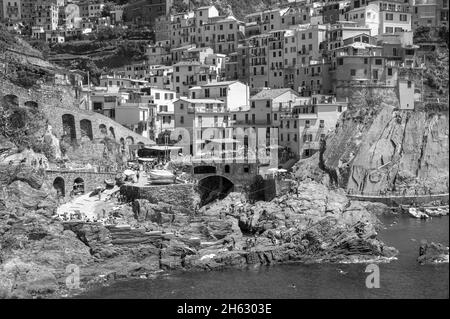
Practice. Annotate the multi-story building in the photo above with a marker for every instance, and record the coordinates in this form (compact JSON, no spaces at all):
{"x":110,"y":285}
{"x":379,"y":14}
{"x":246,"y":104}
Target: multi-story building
{"x":332,"y":10}
{"x":360,"y":62}
{"x":430,"y":13}
{"x":308,"y":122}
{"x":265,"y":108}
{"x":158,"y":54}
{"x":145,"y":12}
{"x":46,"y":14}
{"x":11,"y":10}
{"x":386,"y":16}
{"x":91,"y":8}
{"x":187,"y":74}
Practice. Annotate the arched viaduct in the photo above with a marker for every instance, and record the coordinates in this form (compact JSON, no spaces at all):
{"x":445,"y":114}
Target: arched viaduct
{"x":67,"y":181}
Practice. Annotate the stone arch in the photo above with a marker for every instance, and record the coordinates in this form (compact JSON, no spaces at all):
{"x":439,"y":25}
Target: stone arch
{"x":205,"y":169}
{"x":86,"y":128}
{"x":111,"y":130}
{"x":68,"y":122}
{"x":214,"y":187}
{"x":78,"y":186}
{"x":31,"y":104}
{"x":11,"y":100}
{"x":59,"y":186}
{"x":130,"y":140}
{"x":103,"y":129}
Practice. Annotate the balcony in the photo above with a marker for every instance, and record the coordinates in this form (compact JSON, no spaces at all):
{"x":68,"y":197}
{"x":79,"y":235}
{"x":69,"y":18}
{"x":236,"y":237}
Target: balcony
{"x":311,"y":145}
{"x":204,"y":109}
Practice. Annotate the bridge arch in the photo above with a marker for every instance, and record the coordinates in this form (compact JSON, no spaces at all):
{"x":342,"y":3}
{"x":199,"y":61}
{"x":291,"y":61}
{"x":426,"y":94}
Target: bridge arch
{"x":11,"y":100}
{"x":31,"y":104}
{"x":103,"y":129}
{"x":214,"y":187}
{"x":78,"y":186}
{"x":59,"y":186}
{"x":111,"y":130}
{"x":86,"y":129}
{"x":68,"y":122}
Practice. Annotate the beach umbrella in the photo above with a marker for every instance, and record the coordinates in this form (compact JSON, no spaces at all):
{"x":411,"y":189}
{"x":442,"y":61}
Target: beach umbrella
{"x":128,"y":172}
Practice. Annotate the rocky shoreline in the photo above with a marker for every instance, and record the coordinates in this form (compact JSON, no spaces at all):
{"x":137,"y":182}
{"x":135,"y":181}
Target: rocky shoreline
{"x":37,"y":250}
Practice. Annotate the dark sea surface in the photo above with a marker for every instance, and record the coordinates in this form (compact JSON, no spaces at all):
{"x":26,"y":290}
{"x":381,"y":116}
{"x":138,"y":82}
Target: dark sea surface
{"x":402,"y":278}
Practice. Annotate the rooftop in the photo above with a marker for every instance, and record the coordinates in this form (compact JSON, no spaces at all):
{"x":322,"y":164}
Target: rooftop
{"x":201,"y":101}
{"x":269,"y":94}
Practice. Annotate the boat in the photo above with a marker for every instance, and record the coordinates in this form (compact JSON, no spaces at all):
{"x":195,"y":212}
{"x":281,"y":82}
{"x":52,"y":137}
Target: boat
{"x":110,"y":183}
{"x":159,"y":174}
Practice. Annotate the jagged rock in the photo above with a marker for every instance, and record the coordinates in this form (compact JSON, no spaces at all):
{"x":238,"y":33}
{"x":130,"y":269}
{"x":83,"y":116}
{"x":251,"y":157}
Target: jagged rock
{"x":432,"y":253}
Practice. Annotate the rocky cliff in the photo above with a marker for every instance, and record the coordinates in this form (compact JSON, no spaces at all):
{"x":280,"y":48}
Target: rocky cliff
{"x":378,"y":149}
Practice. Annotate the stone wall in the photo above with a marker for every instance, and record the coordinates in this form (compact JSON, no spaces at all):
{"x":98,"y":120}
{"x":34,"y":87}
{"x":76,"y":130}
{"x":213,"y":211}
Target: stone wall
{"x":91,"y":179}
{"x":235,"y":172}
{"x":393,"y":201}
{"x":183,"y":195}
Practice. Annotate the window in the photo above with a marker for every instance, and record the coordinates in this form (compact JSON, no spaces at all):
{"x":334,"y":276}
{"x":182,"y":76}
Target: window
{"x":378,"y":61}
{"x":409,"y":84}
{"x":403,"y":17}
{"x":253,"y":104}
{"x":307,"y":123}
{"x":389,"y":30}
{"x":253,"y":118}
{"x":275,"y":116}
{"x":181,"y":106}
{"x":340,"y":61}
{"x":366,"y":60}
{"x":268,"y":118}
{"x":157,"y":96}
{"x":181,"y":119}
{"x":310,"y":35}
{"x":267,"y":103}
{"x":322,"y":124}
{"x":352,"y":72}
{"x":339,"y":108}
{"x":206,"y":92}
{"x":389,"y":16}
{"x":389,"y":71}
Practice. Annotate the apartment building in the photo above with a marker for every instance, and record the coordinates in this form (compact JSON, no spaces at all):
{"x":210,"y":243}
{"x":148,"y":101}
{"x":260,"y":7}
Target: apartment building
{"x":361,"y":62}
{"x":265,"y":108}
{"x":116,"y":82}
{"x":429,"y":13}
{"x":187,"y":74}
{"x":309,"y":121}
{"x":158,"y":55}
{"x":343,"y":30}
{"x":382,"y":17}
{"x":11,"y":10}
{"x":91,"y":8}
{"x":332,"y":10}
{"x":161,"y":77}
{"x":163,"y":117}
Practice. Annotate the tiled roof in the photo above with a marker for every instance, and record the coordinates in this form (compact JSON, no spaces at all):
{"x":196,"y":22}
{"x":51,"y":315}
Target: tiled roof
{"x":269,"y":94}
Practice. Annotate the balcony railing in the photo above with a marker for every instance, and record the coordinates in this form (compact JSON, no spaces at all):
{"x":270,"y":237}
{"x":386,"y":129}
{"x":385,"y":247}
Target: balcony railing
{"x":204,"y":109}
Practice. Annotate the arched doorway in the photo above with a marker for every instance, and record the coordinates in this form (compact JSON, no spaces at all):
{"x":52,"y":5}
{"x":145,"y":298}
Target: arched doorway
{"x":103,"y":129}
{"x":86,"y":129}
{"x":111,"y":130}
{"x":78,"y":186}
{"x":130,"y":140}
{"x":214,"y":187}
{"x":31,"y":104}
{"x":68,"y":121}
{"x":59,"y":186}
{"x":11,"y":100}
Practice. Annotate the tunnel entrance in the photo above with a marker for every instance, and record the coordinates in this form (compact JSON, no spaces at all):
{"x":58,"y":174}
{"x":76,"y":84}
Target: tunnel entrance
{"x":214,"y":187}
{"x":58,"y":184}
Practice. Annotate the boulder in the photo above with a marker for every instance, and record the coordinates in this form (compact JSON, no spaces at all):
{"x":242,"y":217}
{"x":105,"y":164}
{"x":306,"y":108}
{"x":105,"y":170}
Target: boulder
{"x":432,"y":253}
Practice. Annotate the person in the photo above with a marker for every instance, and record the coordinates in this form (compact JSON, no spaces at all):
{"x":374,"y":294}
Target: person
{"x":137,"y":175}
{"x":99,"y":195}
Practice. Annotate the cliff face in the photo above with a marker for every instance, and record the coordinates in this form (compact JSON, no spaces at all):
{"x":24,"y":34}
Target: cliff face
{"x":379,"y":149}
